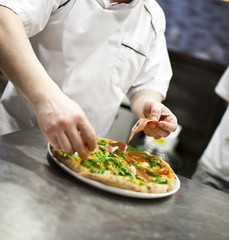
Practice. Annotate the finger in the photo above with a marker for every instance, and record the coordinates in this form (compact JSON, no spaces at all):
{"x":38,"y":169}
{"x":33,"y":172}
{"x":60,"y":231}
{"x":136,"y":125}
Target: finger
{"x":156,"y":132}
{"x":54,"y":142}
{"x":77,"y":143}
{"x":151,"y":133}
{"x":169,"y":123}
{"x":88,"y":136}
{"x":64,"y":142}
{"x":152,"y":110}
{"x":170,"y":127}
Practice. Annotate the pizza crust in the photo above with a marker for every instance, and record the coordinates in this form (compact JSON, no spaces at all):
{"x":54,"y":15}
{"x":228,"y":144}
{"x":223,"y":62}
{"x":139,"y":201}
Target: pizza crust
{"x":114,"y":180}
{"x":121,"y":182}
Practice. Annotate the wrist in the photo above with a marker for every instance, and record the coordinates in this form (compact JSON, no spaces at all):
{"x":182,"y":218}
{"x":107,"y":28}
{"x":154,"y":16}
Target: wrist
{"x":139,"y":99}
{"x":45,"y":95}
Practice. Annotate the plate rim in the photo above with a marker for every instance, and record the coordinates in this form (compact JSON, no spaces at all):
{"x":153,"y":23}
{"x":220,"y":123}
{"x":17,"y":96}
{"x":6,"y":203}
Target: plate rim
{"x":112,"y":189}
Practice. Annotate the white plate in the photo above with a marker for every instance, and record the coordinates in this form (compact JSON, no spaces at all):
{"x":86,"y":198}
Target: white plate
{"x":119,"y":191}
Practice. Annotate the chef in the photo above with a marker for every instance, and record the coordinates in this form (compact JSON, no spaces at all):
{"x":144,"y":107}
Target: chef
{"x":213,"y":168}
{"x":70,"y":63}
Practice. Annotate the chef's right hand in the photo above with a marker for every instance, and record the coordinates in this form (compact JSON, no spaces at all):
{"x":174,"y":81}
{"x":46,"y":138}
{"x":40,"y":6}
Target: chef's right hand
{"x":66,"y":126}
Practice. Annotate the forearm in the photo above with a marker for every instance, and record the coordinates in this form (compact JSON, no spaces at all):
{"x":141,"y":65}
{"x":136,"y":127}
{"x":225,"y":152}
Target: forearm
{"x":18,"y":61}
{"x":139,"y":99}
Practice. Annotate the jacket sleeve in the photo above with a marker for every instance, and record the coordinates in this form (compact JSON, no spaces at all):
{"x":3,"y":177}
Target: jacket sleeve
{"x":222,"y":88}
{"x":34,"y":14}
{"x":156,"y":71}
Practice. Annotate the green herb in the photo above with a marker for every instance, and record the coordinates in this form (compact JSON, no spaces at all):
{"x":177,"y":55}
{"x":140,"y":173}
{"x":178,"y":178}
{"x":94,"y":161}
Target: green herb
{"x":75,"y":156}
{"x":100,"y":171}
{"x":133,"y":149}
{"x":132,"y":177}
{"x":101,"y":142}
{"x":90,"y":163}
{"x":152,"y":162}
{"x":158,"y":180}
{"x":143,"y":184}
{"x":152,"y":174}
{"x":119,"y":152}
{"x":135,"y":164}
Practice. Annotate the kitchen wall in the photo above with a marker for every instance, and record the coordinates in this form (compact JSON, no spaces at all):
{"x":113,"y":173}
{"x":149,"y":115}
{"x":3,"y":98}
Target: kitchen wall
{"x":198,"y":28}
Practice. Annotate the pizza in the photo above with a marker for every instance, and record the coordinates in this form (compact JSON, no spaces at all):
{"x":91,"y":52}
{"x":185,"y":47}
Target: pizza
{"x":123,"y":166}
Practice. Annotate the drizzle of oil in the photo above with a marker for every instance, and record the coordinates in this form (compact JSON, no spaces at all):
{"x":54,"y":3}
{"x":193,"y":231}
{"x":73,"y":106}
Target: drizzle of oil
{"x":161,"y":140}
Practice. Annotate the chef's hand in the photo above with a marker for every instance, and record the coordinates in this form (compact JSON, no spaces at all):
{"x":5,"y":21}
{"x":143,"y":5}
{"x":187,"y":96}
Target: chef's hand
{"x":147,"y":103}
{"x":159,"y":112}
{"x":65,"y":125}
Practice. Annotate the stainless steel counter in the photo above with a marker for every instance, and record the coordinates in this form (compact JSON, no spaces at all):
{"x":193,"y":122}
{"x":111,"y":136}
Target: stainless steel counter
{"x":38,"y":200}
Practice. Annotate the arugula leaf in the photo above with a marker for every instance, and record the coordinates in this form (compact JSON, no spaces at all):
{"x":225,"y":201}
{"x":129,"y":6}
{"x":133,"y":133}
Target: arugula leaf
{"x":101,"y":142}
{"x":153,"y":174}
{"x":119,"y":152}
{"x":133,"y":149}
{"x":132,"y":177}
{"x":152,"y":162}
{"x":90,"y":163}
{"x":106,"y":164}
{"x":76,"y":156}
{"x":158,"y":180}
{"x":143,"y":184}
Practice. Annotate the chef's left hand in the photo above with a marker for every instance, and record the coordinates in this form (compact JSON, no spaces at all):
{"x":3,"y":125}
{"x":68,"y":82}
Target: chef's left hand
{"x":167,"y":120}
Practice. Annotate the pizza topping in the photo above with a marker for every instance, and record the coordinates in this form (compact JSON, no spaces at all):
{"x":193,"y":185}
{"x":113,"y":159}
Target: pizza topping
{"x":131,"y":164}
{"x":112,"y":147}
{"x":152,"y":161}
{"x":133,"y":169}
{"x":106,"y":161}
{"x":146,"y":160}
{"x":136,"y":156}
{"x":140,"y":125}
{"x":142,"y":174}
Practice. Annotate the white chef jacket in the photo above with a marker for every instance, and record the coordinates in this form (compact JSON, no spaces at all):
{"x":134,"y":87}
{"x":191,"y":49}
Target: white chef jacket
{"x":95,"y":51}
{"x":216,"y":155}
